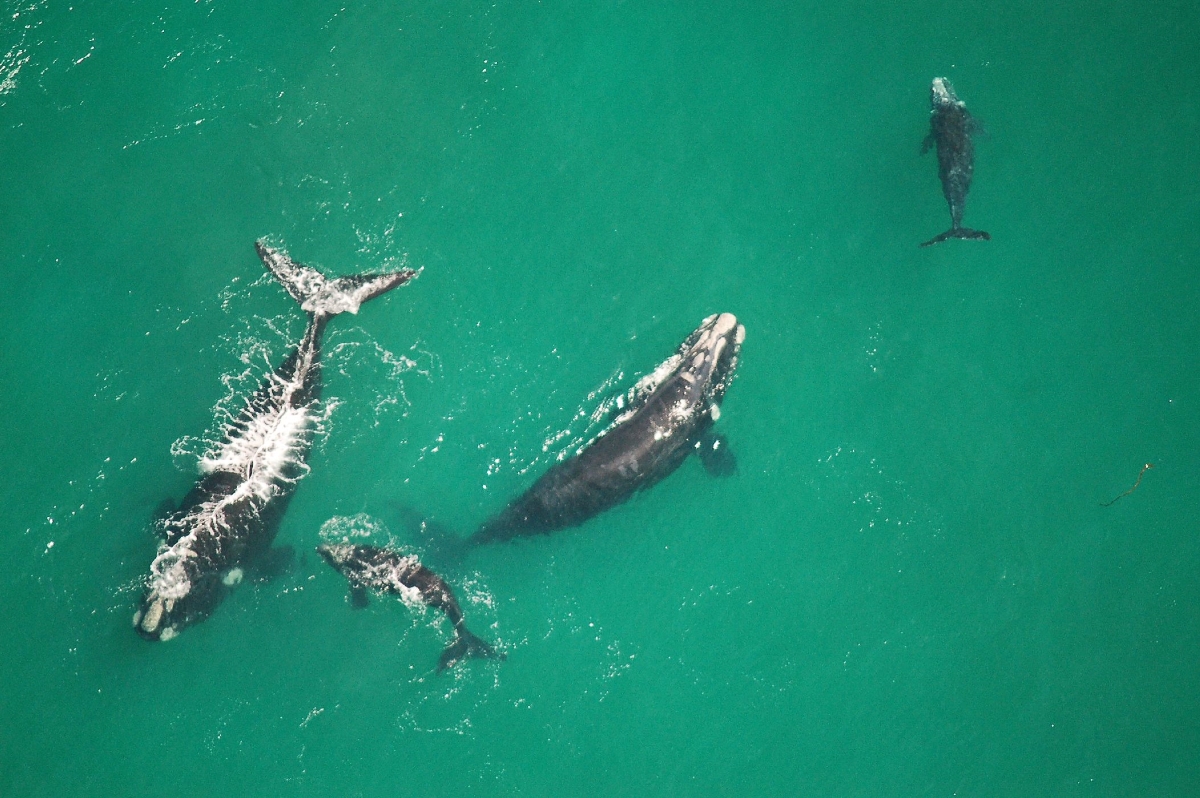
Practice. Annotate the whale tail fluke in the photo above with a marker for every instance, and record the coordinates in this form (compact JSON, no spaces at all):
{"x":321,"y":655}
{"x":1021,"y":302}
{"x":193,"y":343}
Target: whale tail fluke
{"x":958,"y":232}
{"x":467,"y":644}
{"x":318,"y":294}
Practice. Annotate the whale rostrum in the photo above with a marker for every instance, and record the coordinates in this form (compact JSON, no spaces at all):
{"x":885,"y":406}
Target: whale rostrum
{"x":229,"y":519}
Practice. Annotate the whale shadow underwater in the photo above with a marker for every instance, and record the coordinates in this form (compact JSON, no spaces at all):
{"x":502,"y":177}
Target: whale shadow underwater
{"x":229,"y":520}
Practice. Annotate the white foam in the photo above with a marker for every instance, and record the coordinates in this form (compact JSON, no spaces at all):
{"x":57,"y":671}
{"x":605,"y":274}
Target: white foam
{"x":343,"y":528}
{"x":10,"y":66}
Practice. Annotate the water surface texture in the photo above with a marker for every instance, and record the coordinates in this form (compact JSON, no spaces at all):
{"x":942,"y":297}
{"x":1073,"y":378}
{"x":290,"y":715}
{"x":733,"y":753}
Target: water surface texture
{"x":910,"y":587}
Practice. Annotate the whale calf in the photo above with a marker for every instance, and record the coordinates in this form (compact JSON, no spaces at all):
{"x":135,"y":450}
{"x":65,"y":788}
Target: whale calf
{"x":671,"y":411}
{"x":229,"y":519}
{"x":386,"y":571}
{"x":950,"y":129}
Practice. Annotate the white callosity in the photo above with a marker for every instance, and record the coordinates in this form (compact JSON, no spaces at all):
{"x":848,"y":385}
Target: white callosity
{"x":945,"y":93}
{"x":385,"y":575}
{"x":702,"y":351}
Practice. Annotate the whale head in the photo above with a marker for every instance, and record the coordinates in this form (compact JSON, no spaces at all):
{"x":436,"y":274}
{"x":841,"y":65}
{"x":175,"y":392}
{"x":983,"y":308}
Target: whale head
{"x":941,"y":94}
{"x":177,"y":596}
{"x":340,"y":557}
{"x":707,"y":360}
{"x":162,"y":616}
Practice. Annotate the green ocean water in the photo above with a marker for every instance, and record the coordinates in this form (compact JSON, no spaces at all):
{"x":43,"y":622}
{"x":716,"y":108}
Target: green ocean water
{"x":910,"y":587}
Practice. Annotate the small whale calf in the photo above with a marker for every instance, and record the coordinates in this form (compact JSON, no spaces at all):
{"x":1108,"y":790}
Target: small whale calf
{"x":950,"y":129}
{"x":668,"y":418}
{"x":229,"y":519}
{"x":386,"y":571}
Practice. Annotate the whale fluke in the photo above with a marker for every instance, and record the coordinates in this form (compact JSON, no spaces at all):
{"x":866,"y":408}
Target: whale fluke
{"x":958,"y":232}
{"x":318,"y":294}
{"x":466,"y":644}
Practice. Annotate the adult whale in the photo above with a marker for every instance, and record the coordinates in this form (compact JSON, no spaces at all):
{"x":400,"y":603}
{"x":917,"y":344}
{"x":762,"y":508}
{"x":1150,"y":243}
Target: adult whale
{"x":950,"y":129}
{"x":230,"y":517}
{"x":386,"y":571}
{"x":670,"y":413}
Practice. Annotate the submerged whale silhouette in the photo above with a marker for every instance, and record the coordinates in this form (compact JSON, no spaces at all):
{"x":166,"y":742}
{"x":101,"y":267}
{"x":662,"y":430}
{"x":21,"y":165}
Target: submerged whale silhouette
{"x":950,"y":129}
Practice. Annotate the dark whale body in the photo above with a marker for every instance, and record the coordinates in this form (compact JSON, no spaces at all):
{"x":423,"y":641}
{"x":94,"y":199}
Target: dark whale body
{"x":386,"y":571}
{"x":670,"y":412}
{"x":229,"y":519}
{"x":950,"y":129}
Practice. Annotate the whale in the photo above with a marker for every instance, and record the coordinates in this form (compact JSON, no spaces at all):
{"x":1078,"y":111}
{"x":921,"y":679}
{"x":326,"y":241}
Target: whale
{"x":228,"y":520}
{"x":384,"y":570}
{"x":950,"y":129}
{"x":669,"y":416}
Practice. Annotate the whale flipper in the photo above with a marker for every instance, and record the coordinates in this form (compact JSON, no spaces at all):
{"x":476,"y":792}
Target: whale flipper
{"x":164,"y":509}
{"x":466,"y":644}
{"x":716,"y":456}
{"x":958,"y":232}
{"x":359,"y":599}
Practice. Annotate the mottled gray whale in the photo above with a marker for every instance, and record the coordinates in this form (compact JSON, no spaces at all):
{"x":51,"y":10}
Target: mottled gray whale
{"x":668,"y":417}
{"x":386,"y":571}
{"x":950,"y":129}
{"x":230,"y":517}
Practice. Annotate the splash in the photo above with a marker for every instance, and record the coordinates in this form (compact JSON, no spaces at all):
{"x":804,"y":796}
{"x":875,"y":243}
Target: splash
{"x":359,"y":528}
{"x":384,"y":387}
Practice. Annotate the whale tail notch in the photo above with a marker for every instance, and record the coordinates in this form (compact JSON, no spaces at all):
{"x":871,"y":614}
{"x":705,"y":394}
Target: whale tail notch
{"x":958,"y":232}
{"x":467,"y":644}
{"x":322,"y":296}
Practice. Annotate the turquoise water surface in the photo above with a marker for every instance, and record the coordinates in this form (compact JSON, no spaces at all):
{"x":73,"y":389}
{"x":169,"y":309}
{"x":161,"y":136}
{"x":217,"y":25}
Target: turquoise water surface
{"x":910,"y":587}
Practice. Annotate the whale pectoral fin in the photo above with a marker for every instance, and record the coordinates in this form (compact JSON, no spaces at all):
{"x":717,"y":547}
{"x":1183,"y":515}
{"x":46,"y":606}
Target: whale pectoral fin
{"x":274,"y":562}
{"x":927,"y":144}
{"x":358,"y":597}
{"x":716,"y":456}
{"x":164,"y":509}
